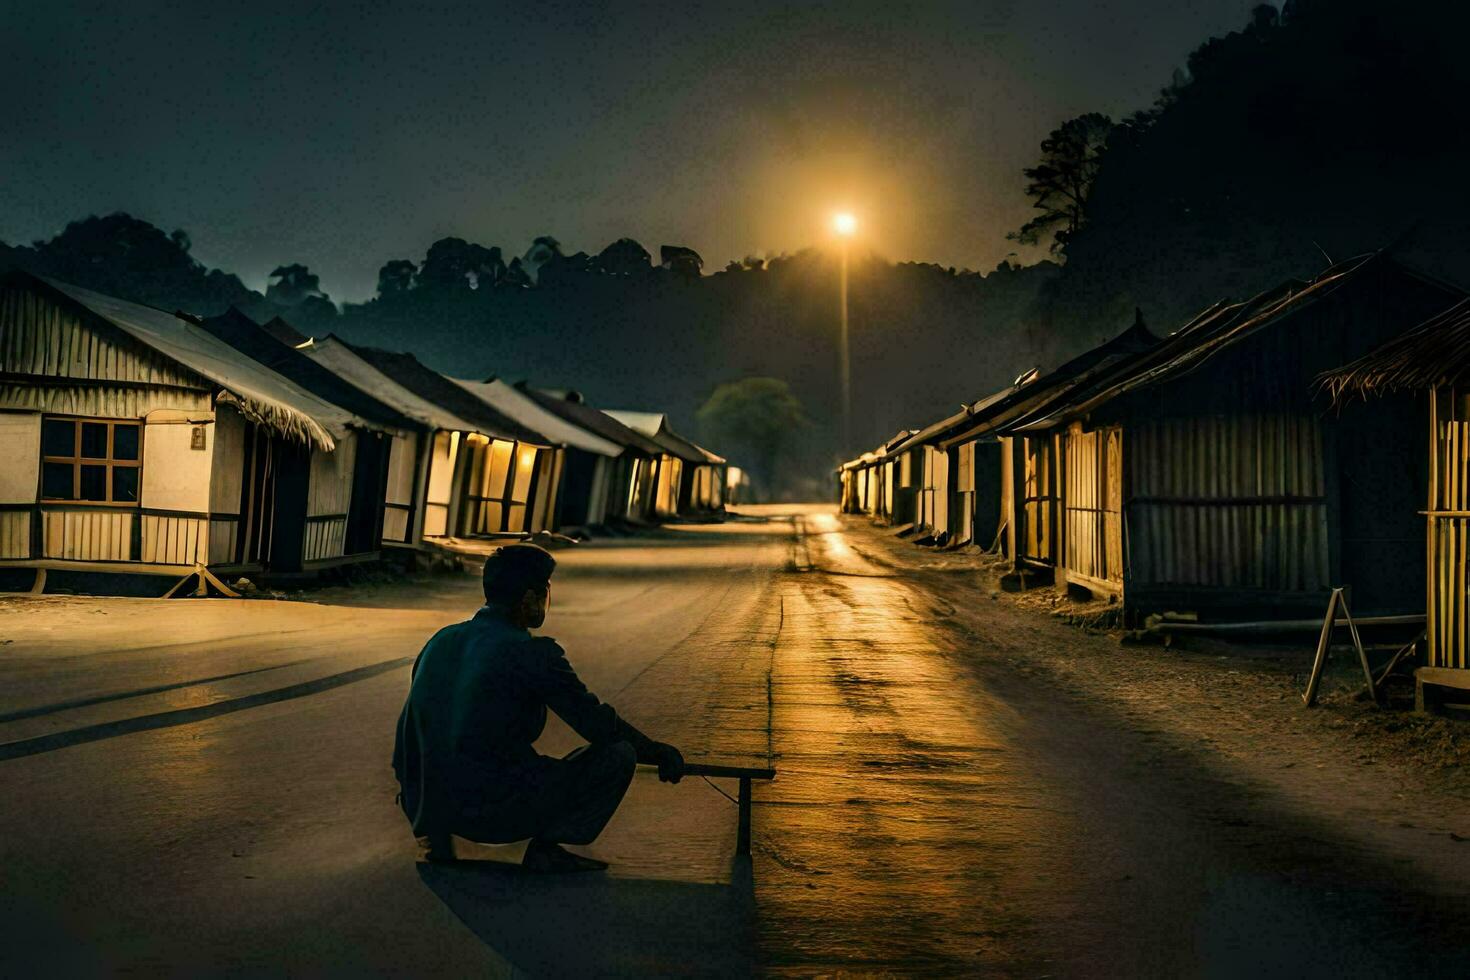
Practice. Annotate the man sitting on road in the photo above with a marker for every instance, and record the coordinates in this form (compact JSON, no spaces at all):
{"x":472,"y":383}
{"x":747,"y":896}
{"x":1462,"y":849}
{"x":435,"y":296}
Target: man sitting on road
{"x":478,"y":699}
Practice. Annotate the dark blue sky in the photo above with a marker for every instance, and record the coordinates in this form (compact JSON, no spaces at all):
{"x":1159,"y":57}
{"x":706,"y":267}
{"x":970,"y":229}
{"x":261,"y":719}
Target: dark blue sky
{"x":346,"y":134}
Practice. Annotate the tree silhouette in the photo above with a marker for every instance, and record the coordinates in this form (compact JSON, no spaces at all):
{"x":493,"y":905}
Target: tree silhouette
{"x":292,"y":285}
{"x":396,"y":278}
{"x":682,"y":261}
{"x":756,"y":418}
{"x":516,"y":276}
{"x":453,"y":264}
{"x":1061,"y":184}
{"x":625,"y":258}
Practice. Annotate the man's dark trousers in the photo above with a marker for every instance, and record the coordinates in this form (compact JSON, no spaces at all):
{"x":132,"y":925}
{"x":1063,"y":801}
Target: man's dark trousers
{"x":562,"y":801}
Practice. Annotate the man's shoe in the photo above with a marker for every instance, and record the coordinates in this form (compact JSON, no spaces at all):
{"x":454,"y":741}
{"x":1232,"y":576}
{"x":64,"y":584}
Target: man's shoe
{"x":543,"y":857}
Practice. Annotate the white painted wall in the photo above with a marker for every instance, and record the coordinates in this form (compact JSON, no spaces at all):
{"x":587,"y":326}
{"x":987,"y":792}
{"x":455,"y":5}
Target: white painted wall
{"x":402,"y":456}
{"x":176,"y":476}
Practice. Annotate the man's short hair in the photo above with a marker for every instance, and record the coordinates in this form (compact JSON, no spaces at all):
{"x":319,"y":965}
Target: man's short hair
{"x":512,"y":571}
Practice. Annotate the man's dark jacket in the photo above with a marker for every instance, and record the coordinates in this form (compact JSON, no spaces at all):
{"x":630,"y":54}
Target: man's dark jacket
{"x":476,"y":704}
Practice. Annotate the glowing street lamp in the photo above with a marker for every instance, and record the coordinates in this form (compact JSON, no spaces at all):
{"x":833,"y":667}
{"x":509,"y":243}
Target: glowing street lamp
{"x":844,"y":223}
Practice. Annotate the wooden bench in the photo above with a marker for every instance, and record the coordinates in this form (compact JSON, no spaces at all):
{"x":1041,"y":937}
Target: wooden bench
{"x":745,"y":775}
{"x":1428,"y":679}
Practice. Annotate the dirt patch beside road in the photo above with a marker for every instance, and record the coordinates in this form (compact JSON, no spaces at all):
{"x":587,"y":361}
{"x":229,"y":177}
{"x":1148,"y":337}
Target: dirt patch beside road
{"x":1394,"y":776}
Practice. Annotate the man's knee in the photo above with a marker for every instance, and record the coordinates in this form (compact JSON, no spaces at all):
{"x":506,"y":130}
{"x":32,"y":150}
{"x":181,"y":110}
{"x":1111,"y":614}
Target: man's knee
{"x":621,"y":759}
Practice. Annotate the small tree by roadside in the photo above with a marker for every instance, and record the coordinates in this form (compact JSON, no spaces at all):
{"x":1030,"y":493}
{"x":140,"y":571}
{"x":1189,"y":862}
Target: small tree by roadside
{"x":756,"y":418}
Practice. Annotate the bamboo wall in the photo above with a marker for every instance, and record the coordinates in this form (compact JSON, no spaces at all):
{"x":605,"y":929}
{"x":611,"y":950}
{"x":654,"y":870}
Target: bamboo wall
{"x":670,"y":474}
{"x":962,"y":510}
{"x":1093,"y":509}
{"x":169,"y":540}
{"x":88,"y":534}
{"x":1449,"y":531}
{"x":15,"y":534}
{"x":1231,"y":502}
{"x":443,"y":451}
{"x":1038,"y":544}
{"x":43,"y":339}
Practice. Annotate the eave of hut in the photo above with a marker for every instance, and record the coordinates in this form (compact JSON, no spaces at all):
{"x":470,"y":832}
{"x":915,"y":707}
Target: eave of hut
{"x":260,"y":394}
{"x":569,"y":406}
{"x":341,"y":360}
{"x":655,"y":425}
{"x":1033,"y":391}
{"x":1434,"y":354}
{"x":434,"y":387}
{"x":516,"y":404}
{"x":1215,"y":330}
{"x":265,"y":347}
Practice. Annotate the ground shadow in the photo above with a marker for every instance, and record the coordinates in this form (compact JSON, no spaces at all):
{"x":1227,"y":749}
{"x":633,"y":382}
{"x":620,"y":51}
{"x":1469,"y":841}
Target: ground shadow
{"x":599,"y":924}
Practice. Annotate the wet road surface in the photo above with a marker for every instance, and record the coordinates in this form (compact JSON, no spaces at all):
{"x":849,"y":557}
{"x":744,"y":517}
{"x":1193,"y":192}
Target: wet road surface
{"x":202,"y":786}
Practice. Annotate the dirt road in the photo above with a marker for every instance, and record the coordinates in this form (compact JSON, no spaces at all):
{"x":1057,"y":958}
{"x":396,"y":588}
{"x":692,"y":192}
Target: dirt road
{"x":203,"y":785}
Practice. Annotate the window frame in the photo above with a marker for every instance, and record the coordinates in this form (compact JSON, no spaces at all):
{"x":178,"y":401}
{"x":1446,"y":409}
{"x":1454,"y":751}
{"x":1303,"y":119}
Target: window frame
{"x":76,"y":460}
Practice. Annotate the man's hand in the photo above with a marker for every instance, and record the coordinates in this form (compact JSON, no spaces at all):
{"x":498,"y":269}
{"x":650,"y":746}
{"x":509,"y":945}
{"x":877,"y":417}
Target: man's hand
{"x":669,"y":761}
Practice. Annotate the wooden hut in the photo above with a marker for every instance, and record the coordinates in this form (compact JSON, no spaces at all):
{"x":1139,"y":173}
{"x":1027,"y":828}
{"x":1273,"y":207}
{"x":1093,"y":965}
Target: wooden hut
{"x":703,"y":488}
{"x":677,"y":455}
{"x":507,"y":472}
{"x":384,"y":458}
{"x":930,"y":467}
{"x":420,"y":504}
{"x":895,"y":480}
{"x":586,"y":460}
{"x":1204,"y":475}
{"x":630,"y":493}
{"x":857,"y":482}
{"x":1006,"y":487}
{"x":1432,"y":361}
{"x":136,"y":441}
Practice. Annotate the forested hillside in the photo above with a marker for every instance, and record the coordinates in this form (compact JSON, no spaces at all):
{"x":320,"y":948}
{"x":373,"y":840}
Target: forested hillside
{"x":1317,"y":131}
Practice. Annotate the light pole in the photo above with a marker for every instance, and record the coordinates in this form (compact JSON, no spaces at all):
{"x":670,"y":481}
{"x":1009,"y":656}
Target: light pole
{"x":845,"y":224}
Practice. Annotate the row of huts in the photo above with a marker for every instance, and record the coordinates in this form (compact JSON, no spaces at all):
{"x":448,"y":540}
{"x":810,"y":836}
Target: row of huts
{"x":133,"y":439}
{"x":1229,"y":469}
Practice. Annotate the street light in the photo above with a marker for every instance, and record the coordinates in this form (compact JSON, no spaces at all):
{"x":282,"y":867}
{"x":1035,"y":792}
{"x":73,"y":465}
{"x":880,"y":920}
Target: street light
{"x":844,"y":223}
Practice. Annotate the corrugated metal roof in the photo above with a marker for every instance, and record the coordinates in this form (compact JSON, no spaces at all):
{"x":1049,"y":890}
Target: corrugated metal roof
{"x":655,"y":425}
{"x":1032,"y":390}
{"x":1218,"y":328}
{"x":261,"y":394}
{"x":592,"y":419}
{"x":252,"y":340}
{"x":285,"y":333}
{"x":434,"y":387}
{"x":521,"y":407}
{"x":930,"y":433}
{"x":343,"y":361}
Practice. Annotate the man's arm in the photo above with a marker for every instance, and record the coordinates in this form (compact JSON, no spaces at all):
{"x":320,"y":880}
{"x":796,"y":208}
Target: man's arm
{"x":596,"y":721}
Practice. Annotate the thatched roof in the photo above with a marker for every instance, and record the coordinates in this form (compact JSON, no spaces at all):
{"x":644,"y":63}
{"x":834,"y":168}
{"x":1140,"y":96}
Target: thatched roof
{"x":1433,"y":354}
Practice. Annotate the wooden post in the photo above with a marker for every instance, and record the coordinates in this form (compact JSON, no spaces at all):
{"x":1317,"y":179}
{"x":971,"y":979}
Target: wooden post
{"x":1323,"y":642}
{"x":742,"y":839}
